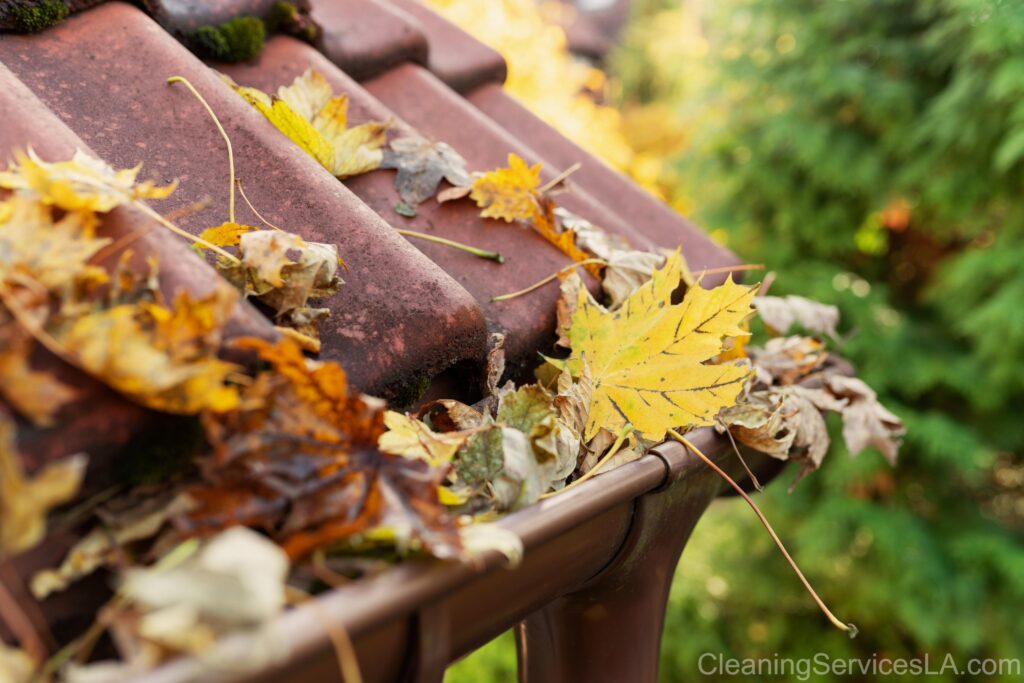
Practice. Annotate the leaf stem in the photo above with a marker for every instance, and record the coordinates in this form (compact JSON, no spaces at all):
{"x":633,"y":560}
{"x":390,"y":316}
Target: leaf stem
{"x":475,"y":251}
{"x":848,"y":628}
{"x":178,"y":231}
{"x":231,"y":155}
{"x":732,"y":269}
{"x":626,"y":431}
{"x":549,"y":278}
{"x":546,"y":187}
{"x":253,"y":208}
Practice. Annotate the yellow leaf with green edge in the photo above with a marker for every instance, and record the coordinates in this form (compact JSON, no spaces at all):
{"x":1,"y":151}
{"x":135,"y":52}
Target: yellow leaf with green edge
{"x":292,"y":124}
{"x":83,"y":183}
{"x":508,"y":193}
{"x":648,"y":360}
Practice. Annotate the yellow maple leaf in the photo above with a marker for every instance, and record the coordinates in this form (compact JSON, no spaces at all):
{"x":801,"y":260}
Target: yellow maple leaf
{"x":411,"y":438}
{"x":647,"y":360}
{"x":224,"y":235}
{"x":356,"y":150}
{"x":82,"y":183}
{"x":508,"y":193}
{"x":24,"y":502}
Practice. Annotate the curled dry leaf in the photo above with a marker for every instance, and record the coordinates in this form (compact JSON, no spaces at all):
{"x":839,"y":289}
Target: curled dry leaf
{"x":495,"y":363}
{"x":648,"y":360}
{"x":785,"y":360}
{"x":421,"y":166}
{"x":484,"y":537}
{"x":782,"y":312}
{"x":24,"y":501}
{"x":866,"y":422}
{"x":15,"y":665}
{"x":83,"y":183}
{"x":411,"y":438}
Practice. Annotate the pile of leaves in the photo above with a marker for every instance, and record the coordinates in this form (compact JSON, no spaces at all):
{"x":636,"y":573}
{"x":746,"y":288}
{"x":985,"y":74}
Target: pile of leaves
{"x":306,"y":477}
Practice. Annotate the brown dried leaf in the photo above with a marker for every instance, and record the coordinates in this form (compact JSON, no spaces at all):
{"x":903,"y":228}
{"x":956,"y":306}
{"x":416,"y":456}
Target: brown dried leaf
{"x":781,"y":313}
{"x":866,"y":422}
{"x":422,"y":165}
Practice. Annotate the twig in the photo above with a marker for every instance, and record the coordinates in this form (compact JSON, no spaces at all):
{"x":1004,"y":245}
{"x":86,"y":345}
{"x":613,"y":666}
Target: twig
{"x":475,"y":251}
{"x":626,"y":431}
{"x":14,"y":617}
{"x":546,"y":187}
{"x":549,"y":278}
{"x":847,"y":628}
{"x":178,"y":231}
{"x":231,"y":154}
{"x":253,"y":208}
{"x":344,"y":650}
{"x":739,"y":456}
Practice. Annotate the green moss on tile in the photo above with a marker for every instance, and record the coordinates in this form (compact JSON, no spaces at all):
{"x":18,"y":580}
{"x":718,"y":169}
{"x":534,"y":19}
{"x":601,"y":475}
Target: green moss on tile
{"x":286,"y":17}
{"x":237,"y":40}
{"x":40,"y":16}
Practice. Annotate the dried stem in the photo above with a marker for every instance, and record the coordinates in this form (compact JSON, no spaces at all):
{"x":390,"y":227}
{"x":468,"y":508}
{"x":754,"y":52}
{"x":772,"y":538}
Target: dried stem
{"x":549,"y":278}
{"x":253,"y":208}
{"x":560,"y":178}
{"x":848,"y":628}
{"x":178,"y":231}
{"x":475,"y":251}
{"x":227,"y":141}
{"x":19,"y":623}
{"x":344,"y":650}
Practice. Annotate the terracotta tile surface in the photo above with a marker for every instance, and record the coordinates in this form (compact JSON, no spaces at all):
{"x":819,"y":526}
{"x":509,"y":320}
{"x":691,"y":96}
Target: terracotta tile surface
{"x":182,"y":16}
{"x":457,"y":58}
{"x":367,"y":37}
{"x":398,"y":317}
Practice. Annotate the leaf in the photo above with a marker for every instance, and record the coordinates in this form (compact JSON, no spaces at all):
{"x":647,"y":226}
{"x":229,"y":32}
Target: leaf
{"x":25,"y":502}
{"x":55,"y":254}
{"x":37,"y":396}
{"x":495,"y":367}
{"x":307,"y":94}
{"x":84,"y":183}
{"x":15,"y":665}
{"x":411,"y":438}
{"x":508,"y":194}
{"x":296,"y":127}
{"x":163,"y":358}
{"x":356,"y":150}
{"x":627,"y":270}
{"x":299,"y":459}
{"x":267,"y":252}
{"x":483,"y":537}
{"x":224,"y":235}
{"x":781,"y":313}
{"x":421,"y":166}
{"x":785,"y":360}
{"x":648,"y":360}
{"x":133,"y":518}
{"x":530,"y":410}
{"x":866,"y":422}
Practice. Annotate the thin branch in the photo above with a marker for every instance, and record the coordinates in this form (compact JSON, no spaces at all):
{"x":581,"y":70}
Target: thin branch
{"x":231,"y":154}
{"x":549,"y":278}
{"x":253,"y":208}
{"x":475,"y":251}
{"x":560,"y":178}
{"x":847,"y":628}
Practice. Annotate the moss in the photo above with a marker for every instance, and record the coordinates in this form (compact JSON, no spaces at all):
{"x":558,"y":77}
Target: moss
{"x":286,"y":17}
{"x":236,"y":40}
{"x":408,"y":394}
{"x":40,"y":16}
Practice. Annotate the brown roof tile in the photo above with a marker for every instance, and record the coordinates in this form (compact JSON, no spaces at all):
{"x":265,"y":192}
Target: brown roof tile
{"x":398,"y":317}
{"x":457,"y":58}
{"x":367,"y":37}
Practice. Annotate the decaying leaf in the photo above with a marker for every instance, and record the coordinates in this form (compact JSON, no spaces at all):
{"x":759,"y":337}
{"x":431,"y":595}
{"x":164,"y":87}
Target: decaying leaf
{"x":317,"y":121}
{"x":784,"y":360}
{"x":626,"y":271}
{"x":866,"y":422}
{"x":781,"y":313}
{"x":421,"y":166}
{"x":411,"y":438}
{"x":299,"y":459}
{"x":15,"y":665}
{"x":137,"y":517}
{"x":82,"y":183}
{"x":648,"y":360}
{"x":495,"y":363}
{"x":484,"y":537}
{"x":25,"y":502}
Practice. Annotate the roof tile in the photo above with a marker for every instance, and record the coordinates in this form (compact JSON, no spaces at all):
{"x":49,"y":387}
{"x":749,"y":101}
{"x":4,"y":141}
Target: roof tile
{"x":457,"y":58}
{"x":367,"y":37}
{"x":398,"y":317}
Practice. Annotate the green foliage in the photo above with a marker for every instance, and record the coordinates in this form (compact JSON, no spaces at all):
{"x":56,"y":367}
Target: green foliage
{"x":40,"y":15}
{"x":236,"y":40}
{"x":872,"y":153}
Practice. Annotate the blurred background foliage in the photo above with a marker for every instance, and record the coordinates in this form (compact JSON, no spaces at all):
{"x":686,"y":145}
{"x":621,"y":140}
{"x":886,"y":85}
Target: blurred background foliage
{"x":871,"y":152}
